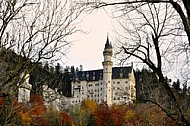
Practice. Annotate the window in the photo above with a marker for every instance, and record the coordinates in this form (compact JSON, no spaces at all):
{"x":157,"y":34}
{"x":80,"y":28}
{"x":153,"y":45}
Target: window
{"x":114,"y":82}
{"x":96,"y":84}
{"x":118,"y":82}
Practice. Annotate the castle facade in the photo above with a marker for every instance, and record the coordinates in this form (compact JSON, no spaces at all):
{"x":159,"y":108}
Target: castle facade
{"x":113,"y":85}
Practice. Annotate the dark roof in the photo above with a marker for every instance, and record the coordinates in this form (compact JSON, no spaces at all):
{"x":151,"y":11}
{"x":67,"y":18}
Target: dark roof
{"x":108,"y":44}
{"x":95,"y":75}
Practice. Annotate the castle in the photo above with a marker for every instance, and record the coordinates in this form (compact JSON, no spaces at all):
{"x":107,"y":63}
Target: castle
{"x":113,"y":85}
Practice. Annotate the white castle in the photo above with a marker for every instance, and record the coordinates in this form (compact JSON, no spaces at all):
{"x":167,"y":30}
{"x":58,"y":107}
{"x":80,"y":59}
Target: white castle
{"x":114,"y":85}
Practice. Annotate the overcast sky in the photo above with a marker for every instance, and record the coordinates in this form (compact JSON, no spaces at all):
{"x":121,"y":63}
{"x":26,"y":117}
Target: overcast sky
{"x":87,"y":49}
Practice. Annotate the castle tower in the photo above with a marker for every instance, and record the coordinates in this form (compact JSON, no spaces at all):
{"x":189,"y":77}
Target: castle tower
{"x":107,"y":72}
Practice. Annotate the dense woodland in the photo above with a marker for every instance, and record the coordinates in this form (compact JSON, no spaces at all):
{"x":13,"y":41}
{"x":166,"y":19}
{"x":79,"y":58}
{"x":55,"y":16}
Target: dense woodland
{"x":54,"y":77}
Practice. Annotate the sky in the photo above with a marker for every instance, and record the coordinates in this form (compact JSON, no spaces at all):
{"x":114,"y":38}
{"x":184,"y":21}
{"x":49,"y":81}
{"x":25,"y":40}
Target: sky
{"x":87,"y":49}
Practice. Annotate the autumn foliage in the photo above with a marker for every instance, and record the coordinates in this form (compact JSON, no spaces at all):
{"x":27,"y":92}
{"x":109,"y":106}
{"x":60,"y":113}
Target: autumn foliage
{"x":65,"y":119}
{"x":37,"y":105}
{"x":1,"y":104}
{"x":105,"y":116}
{"x":36,"y":114}
{"x":129,"y":115}
{"x":89,"y":105}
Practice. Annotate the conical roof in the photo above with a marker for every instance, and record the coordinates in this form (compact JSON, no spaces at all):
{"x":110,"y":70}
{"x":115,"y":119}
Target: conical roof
{"x":108,"y":44}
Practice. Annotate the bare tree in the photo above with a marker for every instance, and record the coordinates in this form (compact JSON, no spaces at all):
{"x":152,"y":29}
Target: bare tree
{"x":182,"y":7}
{"x":154,"y":38}
{"x":32,"y":31}
{"x":157,"y":33}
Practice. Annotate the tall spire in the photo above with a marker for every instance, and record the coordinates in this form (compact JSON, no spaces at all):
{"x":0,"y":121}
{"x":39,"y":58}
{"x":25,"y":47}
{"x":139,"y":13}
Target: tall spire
{"x":108,"y":44}
{"x":107,"y":72}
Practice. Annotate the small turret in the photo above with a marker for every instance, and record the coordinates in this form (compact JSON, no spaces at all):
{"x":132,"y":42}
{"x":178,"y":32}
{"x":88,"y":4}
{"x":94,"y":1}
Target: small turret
{"x":107,"y":72}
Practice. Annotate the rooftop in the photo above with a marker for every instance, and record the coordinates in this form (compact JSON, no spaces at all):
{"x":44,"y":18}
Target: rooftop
{"x":95,"y":75}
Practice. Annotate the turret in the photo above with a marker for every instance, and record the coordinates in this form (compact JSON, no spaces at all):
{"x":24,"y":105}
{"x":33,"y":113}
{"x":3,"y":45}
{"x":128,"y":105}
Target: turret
{"x":107,"y":72}
{"x":107,"y":51}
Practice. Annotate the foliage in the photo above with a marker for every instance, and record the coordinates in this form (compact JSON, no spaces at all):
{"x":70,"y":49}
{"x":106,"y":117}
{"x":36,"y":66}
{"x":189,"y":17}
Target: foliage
{"x":129,"y":114}
{"x":155,"y":116}
{"x":89,"y":105}
{"x":117,"y":114}
{"x":31,"y":32}
{"x":26,"y":118}
{"x":157,"y":34}
{"x":103,"y":117}
{"x":37,"y":105}
{"x":65,"y":119}
{"x":91,"y":120}
{"x":108,"y":116}
{"x":78,"y":115}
